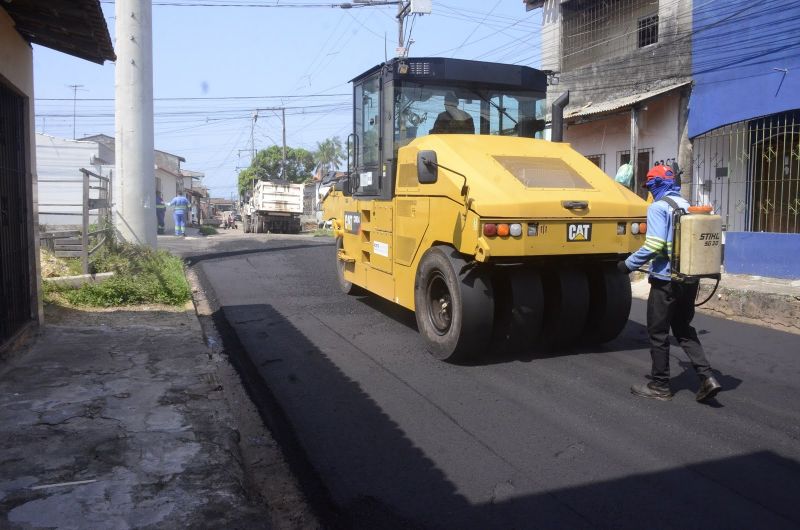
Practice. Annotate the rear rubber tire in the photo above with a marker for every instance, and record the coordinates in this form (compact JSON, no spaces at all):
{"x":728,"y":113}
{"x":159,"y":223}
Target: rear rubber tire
{"x":566,"y":293}
{"x":454,"y":310}
{"x":519,"y":307}
{"x":609,"y":306}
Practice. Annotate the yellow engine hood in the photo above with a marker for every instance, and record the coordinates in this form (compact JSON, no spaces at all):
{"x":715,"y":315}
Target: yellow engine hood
{"x":509,"y":177}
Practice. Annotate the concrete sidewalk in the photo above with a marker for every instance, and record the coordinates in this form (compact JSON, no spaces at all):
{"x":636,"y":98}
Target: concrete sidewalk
{"x":118,"y":420}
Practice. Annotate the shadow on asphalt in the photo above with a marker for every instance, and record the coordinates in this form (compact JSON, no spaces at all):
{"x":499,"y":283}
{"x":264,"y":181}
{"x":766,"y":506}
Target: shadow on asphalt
{"x":363,"y":471}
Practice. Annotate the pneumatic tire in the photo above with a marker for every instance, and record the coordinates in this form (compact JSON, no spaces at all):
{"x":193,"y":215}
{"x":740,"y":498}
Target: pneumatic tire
{"x":609,"y":306}
{"x":454,"y":306}
{"x":346,"y":286}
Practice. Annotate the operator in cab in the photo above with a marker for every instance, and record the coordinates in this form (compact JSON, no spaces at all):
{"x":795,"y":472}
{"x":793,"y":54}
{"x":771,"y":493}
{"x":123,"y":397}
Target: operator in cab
{"x":670,"y":303}
{"x":453,"y":120}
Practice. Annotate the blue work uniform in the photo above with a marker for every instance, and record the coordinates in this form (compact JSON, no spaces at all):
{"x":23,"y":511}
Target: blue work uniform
{"x":181,"y":205}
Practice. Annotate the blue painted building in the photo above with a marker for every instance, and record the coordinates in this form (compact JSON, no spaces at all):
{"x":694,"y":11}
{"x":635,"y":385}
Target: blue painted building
{"x":744,"y":125}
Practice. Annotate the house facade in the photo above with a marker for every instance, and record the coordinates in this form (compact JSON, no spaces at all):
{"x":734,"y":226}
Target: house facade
{"x":707,"y":84}
{"x":76,"y":27}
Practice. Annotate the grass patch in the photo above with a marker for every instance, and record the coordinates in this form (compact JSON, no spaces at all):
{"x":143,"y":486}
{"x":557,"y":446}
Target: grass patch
{"x":207,"y":230}
{"x":53,"y":267}
{"x":141,"y":276}
{"x":323,"y":232}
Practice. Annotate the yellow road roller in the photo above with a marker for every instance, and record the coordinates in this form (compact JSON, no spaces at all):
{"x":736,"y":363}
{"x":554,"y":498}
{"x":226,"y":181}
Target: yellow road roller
{"x":456,"y":207}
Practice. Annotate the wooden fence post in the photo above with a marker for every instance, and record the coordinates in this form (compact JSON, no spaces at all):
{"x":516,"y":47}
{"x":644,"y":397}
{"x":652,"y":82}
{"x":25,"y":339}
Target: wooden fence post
{"x":85,"y":230}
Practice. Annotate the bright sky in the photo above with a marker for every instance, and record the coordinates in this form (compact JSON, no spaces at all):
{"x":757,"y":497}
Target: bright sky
{"x":214,"y":66}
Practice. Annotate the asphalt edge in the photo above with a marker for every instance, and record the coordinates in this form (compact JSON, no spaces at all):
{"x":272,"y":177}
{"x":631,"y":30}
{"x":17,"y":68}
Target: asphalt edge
{"x":273,"y":417}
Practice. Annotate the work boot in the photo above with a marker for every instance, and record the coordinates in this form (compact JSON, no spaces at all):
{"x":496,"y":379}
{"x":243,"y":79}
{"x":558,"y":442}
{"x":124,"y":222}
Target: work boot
{"x":708,"y":389}
{"x":652,"y":390}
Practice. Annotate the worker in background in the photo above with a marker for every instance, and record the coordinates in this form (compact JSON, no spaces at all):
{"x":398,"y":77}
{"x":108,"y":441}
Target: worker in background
{"x":181,"y":206}
{"x":671,"y":303}
{"x":161,"y":211}
{"x":453,"y":120}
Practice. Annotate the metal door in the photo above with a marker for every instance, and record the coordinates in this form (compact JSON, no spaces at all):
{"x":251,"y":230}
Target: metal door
{"x":15,"y":300}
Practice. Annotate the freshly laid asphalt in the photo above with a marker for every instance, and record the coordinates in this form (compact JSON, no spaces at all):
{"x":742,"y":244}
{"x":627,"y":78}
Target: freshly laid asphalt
{"x":399,"y":439}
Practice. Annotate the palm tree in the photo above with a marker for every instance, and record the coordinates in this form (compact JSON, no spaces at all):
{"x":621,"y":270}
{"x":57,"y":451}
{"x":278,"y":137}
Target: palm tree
{"x":329,"y":153}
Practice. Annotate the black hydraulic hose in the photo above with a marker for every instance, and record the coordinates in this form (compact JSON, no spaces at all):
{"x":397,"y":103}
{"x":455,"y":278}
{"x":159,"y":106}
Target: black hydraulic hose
{"x":714,"y":290}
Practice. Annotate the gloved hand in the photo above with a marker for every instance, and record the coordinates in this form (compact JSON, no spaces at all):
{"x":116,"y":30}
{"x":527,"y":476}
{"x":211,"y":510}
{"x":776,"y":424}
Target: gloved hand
{"x":623,"y":268}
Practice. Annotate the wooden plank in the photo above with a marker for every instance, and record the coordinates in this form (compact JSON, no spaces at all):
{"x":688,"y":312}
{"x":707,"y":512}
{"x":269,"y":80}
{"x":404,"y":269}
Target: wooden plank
{"x":69,"y":254}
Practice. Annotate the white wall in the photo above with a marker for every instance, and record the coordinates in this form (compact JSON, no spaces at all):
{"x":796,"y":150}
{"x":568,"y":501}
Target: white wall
{"x":658,"y":130}
{"x":61,"y":159}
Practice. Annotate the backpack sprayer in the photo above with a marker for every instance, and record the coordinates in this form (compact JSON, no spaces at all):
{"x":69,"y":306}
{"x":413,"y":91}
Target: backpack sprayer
{"x":696,"y":244}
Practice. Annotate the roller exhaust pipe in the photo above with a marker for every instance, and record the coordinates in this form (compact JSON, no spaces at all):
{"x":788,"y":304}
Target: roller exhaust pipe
{"x":557,"y":113}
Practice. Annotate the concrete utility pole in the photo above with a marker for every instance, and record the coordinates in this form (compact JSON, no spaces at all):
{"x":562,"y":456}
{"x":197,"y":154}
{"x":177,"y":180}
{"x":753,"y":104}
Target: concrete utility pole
{"x":134,"y":181}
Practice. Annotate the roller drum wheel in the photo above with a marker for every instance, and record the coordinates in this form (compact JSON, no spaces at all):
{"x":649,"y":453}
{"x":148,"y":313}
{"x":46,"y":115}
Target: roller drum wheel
{"x":610,"y":304}
{"x":519,"y":307}
{"x":566,"y":292}
{"x":454,"y":306}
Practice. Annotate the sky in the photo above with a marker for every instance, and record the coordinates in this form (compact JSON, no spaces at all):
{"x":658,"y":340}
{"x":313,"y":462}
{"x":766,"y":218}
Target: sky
{"x":219,"y":62}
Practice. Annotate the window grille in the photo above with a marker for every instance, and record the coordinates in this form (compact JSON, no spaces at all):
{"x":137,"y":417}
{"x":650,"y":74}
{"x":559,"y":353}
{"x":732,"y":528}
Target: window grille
{"x":648,"y":31}
{"x":749,"y":172}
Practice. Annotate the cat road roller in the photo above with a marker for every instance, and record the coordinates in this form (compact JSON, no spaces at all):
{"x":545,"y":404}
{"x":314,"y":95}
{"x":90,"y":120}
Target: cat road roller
{"x":454,"y":206}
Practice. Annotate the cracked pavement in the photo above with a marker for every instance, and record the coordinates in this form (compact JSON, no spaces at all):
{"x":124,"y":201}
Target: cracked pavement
{"x":117,"y":420}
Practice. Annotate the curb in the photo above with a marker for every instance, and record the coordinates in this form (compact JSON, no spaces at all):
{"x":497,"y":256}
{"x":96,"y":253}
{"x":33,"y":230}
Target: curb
{"x":775,"y":310}
{"x":76,"y":282}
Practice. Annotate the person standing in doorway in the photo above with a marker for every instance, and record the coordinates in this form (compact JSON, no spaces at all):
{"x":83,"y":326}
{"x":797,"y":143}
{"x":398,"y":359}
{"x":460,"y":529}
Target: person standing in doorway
{"x":671,"y":302}
{"x":181,"y":206}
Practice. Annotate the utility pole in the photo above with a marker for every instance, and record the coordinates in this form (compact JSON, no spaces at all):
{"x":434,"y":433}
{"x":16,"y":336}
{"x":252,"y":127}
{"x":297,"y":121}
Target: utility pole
{"x":74,"y":105}
{"x":252,"y":137}
{"x":404,"y":8}
{"x":283,"y":164}
{"x":134,"y":181}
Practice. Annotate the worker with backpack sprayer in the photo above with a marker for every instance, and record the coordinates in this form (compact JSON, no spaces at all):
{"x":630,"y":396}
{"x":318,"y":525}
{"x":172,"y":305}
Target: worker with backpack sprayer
{"x":672,"y":293}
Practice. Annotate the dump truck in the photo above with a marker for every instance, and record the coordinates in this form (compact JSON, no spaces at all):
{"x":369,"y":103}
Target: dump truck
{"x":494,"y":236}
{"x":274,"y":206}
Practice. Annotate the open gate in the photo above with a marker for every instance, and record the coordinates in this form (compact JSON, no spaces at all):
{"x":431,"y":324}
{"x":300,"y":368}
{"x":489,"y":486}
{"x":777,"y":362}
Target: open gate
{"x":15,"y":294}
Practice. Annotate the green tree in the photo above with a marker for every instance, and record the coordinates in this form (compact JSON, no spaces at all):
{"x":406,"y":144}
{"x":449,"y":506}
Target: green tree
{"x":329,"y":153}
{"x":268,"y":165}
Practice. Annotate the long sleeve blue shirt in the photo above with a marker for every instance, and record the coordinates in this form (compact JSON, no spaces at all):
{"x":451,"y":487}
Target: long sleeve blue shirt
{"x":179,"y":203}
{"x":658,"y":242}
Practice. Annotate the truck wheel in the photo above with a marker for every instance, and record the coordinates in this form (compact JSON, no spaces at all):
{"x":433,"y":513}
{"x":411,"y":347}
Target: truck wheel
{"x":257,"y":224}
{"x":246,"y":223}
{"x":566,"y":293}
{"x":519,"y":307}
{"x":454,"y":309}
{"x":609,"y":306}
{"x":347,"y":287}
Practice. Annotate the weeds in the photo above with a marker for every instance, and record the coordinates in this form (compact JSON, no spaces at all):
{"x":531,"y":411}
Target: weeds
{"x":141,"y":276}
{"x":207,"y":230}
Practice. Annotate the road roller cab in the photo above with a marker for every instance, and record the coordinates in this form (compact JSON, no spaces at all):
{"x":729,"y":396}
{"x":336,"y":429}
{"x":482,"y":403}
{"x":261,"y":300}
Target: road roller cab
{"x":492,"y":237}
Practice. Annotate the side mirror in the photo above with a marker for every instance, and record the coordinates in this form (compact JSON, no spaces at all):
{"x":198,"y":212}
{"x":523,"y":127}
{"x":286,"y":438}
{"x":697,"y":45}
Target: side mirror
{"x":427,"y":167}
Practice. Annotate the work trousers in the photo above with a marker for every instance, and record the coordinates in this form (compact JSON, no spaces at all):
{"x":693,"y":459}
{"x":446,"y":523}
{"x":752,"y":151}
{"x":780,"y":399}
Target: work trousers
{"x":671,"y":305}
{"x":180,"y":222}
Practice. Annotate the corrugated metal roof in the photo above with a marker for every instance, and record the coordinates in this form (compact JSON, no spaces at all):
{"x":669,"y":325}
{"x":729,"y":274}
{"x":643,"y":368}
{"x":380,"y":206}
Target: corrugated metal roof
{"x":620,"y":103}
{"x":76,"y":27}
